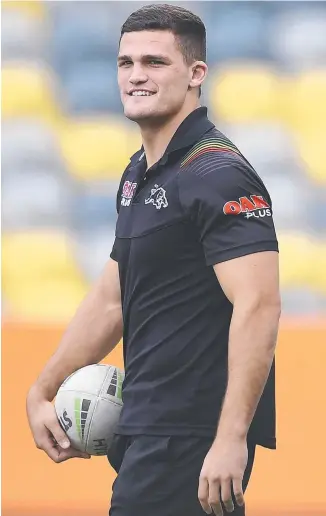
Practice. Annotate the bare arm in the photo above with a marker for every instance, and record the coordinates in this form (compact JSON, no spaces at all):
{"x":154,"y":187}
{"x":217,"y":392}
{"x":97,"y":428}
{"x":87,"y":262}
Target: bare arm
{"x":251,"y":284}
{"x":93,"y":332}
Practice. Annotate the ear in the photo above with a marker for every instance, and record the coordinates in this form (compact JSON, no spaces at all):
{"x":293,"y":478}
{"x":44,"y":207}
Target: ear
{"x":198,"y":72}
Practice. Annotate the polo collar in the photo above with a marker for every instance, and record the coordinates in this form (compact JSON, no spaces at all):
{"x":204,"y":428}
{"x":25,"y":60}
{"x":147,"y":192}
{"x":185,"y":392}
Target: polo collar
{"x":193,"y":127}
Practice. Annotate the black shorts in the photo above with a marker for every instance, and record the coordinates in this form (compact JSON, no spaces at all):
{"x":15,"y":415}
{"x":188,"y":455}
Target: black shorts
{"x":158,"y":476}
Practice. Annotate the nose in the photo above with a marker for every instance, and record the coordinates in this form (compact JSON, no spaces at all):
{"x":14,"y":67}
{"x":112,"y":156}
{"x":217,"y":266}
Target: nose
{"x":138,"y":76}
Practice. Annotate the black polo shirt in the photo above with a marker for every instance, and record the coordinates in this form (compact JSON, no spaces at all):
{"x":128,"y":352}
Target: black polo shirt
{"x":202,"y":203}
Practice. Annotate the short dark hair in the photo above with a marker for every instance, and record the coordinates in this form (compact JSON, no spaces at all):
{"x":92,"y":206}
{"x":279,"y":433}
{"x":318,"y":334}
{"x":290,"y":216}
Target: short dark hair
{"x":187,"y":27}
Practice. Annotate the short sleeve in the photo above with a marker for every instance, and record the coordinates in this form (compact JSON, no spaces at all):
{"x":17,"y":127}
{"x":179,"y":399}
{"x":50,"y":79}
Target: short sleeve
{"x":114,"y":252}
{"x":230,"y":207}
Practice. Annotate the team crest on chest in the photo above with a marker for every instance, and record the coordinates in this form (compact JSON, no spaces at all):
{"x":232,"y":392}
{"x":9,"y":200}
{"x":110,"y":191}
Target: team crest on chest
{"x":128,"y":191}
{"x":157,"y":198}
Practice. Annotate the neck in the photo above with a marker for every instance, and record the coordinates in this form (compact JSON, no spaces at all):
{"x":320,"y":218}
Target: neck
{"x":156,"y":138}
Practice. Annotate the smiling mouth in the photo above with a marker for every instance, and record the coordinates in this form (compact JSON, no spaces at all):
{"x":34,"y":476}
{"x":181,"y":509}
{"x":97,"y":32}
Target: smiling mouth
{"x":141,"y":93}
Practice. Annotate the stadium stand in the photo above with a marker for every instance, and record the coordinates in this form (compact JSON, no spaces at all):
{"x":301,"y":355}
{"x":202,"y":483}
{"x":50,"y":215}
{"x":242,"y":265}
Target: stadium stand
{"x":244,"y":92}
{"x":23,"y":36}
{"x":84,"y":146}
{"x":27,"y":90}
{"x":60,"y":106}
{"x":40,"y":277}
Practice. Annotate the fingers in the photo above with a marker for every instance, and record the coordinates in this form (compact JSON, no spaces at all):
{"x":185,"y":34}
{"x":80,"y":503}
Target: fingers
{"x":226,"y":495}
{"x":203,"y":494}
{"x":58,"y":433}
{"x":58,"y":454}
{"x":209,"y":495}
{"x":214,"y":499}
{"x":238,"y":491}
{"x":70,"y":453}
{"x":49,"y":445}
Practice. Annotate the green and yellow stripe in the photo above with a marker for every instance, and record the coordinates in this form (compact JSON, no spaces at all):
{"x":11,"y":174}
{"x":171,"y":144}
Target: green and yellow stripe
{"x":77,"y":417}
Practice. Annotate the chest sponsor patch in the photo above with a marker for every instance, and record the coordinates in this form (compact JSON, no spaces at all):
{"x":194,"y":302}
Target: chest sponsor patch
{"x":255,"y":206}
{"x":128,"y":191}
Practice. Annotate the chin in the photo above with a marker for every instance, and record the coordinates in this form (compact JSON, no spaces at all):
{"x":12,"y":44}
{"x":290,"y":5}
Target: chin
{"x":137,"y":115}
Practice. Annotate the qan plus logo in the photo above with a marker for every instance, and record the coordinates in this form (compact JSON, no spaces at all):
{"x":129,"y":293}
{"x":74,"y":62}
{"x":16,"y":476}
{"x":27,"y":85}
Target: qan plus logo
{"x":128,"y":191}
{"x":255,"y":207}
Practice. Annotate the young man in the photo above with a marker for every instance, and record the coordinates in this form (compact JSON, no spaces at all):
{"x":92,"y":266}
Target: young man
{"x":192,"y":284}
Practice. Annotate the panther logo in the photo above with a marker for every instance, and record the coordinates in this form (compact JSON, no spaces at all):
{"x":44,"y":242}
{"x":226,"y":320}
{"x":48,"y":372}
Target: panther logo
{"x":157,"y":198}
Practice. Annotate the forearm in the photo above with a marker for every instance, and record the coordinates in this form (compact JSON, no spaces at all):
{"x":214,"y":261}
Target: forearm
{"x":252,"y":340}
{"x":93,"y":332}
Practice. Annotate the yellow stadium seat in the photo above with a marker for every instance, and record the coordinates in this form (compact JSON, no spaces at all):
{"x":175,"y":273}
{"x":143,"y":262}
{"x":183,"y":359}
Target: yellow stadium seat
{"x":95,"y":149}
{"x":27,"y":91}
{"x":317,"y":272}
{"x":302,"y":261}
{"x":306,"y":99}
{"x":245,"y":93}
{"x":34,"y":7}
{"x":311,"y":145}
{"x":295,"y":259}
{"x":40,"y":277}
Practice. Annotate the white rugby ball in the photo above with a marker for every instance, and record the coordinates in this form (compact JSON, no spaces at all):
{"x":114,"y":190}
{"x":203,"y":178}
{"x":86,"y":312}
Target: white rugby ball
{"x":88,"y":406}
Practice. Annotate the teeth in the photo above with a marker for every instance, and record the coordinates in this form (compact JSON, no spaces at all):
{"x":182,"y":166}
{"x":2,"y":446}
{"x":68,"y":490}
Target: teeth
{"x":141,"y":94}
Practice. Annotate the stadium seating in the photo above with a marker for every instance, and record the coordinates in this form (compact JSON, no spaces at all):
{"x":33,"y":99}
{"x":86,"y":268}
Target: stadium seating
{"x":39,"y":198}
{"x":27,"y":90}
{"x":93,"y":248}
{"x":41,"y":279}
{"x":94,"y":205}
{"x":235,"y":34}
{"x":306,"y":99}
{"x":87,"y":39}
{"x":36,"y":8}
{"x":91,"y":88}
{"x":312,"y":148}
{"x":268,"y":146}
{"x":29,"y":143}
{"x":65,"y":142}
{"x":245,"y":92}
{"x":296,"y":258}
{"x":95,"y":149}
{"x":23,"y":36}
{"x":301,"y":42}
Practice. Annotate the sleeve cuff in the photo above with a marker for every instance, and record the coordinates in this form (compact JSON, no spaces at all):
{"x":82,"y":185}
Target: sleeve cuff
{"x":214,"y":257}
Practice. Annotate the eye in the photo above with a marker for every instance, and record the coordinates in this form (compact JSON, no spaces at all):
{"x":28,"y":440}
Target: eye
{"x":124,"y":63}
{"x":156,"y":62}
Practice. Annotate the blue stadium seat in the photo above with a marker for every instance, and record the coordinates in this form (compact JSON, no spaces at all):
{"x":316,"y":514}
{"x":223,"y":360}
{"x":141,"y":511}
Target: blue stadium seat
{"x":317,"y":209}
{"x":92,"y":250}
{"x":94,"y":205}
{"x":22,"y":36}
{"x":289,"y":196}
{"x":269,"y":147}
{"x":83,"y":34}
{"x":298,"y":38}
{"x":91,"y":88}
{"x":35,"y":199}
{"x":29,"y":144}
{"x":236,"y":31}
{"x":302,"y":302}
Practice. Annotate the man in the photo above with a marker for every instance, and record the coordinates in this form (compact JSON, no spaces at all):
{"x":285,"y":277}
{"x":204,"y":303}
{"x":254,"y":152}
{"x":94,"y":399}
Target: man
{"x":192,"y":284}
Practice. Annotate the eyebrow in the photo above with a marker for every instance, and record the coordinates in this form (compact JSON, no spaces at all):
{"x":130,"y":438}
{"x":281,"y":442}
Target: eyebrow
{"x":146,"y":57}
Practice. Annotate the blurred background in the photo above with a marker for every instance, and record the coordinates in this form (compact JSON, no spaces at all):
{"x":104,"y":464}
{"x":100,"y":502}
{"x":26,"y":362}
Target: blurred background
{"x":65,"y":144}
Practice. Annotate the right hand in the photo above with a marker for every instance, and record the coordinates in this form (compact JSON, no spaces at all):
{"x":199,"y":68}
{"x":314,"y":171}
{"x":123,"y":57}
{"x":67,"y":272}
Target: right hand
{"x":47,"y":432}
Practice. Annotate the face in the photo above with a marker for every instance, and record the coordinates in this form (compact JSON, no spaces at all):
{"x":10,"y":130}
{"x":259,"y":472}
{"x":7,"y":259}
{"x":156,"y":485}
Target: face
{"x":153,"y":77}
